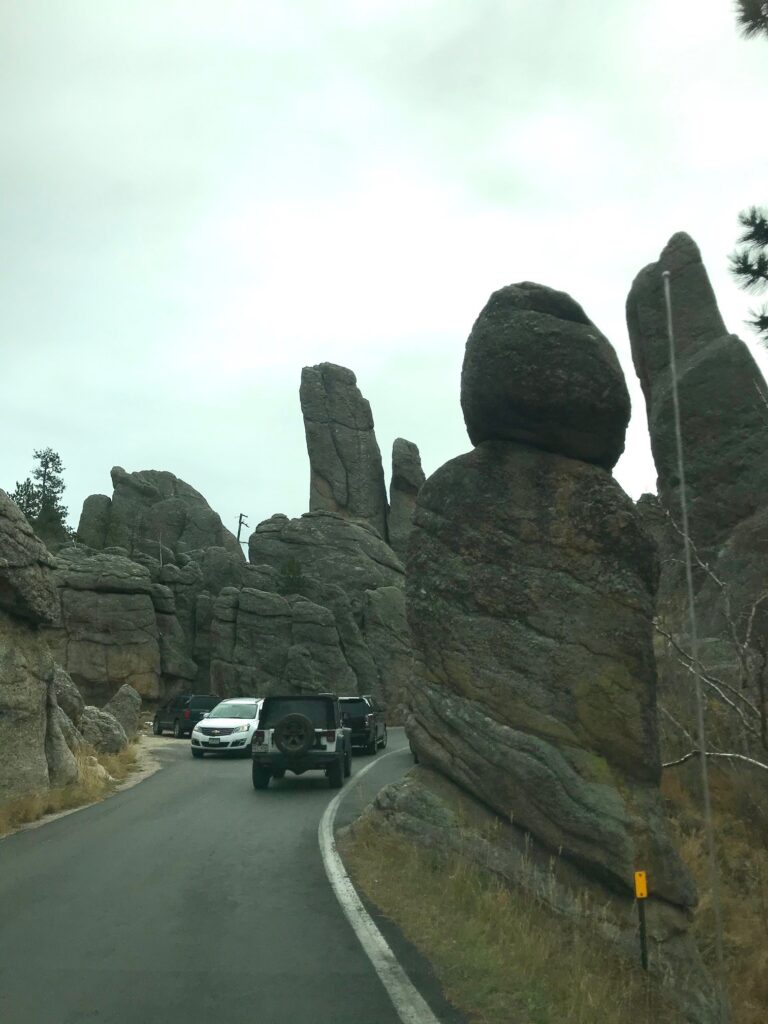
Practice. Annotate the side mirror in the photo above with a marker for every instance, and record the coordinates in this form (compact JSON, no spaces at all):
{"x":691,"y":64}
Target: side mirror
{"x":207,"y":714}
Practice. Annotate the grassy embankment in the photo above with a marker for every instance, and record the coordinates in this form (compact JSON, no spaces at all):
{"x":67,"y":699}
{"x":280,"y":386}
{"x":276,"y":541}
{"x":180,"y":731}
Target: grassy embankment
{"x":503,"y":958}
{"x":92,"y":786}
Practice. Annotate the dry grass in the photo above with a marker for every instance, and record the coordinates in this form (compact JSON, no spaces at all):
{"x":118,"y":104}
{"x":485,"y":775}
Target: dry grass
{"x":501,"y":957}
{"x":91,"y":787}
{"x":740,"y":807}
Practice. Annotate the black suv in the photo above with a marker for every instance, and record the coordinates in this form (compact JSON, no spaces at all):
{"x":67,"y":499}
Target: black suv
{"x":183,"y":712}
{"x":365,"y":719}
{"x":299,"y":734}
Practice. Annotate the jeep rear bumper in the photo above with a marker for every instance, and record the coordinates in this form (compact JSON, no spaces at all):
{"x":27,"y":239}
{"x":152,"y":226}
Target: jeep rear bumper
{"x":282,"y":762}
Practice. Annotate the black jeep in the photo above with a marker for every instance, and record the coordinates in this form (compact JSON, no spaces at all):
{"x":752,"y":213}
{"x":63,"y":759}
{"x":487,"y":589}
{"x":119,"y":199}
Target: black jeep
{"x":300,"y":734}
{"x":365,"y":719}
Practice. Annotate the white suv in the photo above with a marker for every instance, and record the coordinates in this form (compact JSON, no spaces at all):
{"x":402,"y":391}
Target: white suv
{"x":229,"y":726}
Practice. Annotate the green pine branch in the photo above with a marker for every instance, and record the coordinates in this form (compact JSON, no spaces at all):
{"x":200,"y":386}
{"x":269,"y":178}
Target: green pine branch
{"x":752,"y":17}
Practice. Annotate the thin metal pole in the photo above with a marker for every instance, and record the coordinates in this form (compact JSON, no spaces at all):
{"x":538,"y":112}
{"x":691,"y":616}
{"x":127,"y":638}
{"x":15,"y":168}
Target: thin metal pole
{"x":710,"y":832}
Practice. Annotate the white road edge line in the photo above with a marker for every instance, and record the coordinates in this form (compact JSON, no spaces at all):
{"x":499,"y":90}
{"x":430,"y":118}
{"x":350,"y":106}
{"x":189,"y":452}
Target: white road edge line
{"x":408,"y":1002}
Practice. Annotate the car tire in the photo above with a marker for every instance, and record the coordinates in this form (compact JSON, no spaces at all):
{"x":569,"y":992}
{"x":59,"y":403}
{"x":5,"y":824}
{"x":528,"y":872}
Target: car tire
{"x":336,"y":773}
{"x":372,"y":746}
{"x":196,"y":753}
{"x":294,"y":735}
{"x":156,"y":729}
{"x":178,"y":732}
{"x":384,"y":739}
{"x":260,"y":776}
{"x":348,"y":763}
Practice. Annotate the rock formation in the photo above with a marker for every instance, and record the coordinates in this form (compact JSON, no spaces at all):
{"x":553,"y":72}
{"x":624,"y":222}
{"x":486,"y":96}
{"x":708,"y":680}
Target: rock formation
{"x":152,"y":511}
{"x":345,"y":566}
{"x":530,"y":594}
{"x":264,"y":643}
{"x":407,"y":478}
{"x":345,"y":462}
{"x":724,"y":441}
{"x":102,"y":731}
{"x":33,"y":755}
{"x":125,"y":707}
{"x":537,"y":370}
{"x":105,"y":633}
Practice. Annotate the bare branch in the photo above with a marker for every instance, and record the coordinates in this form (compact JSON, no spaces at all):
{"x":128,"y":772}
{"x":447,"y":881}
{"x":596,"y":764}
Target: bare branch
{"x":713,"y":681}
{"x":712,"y":753}
{"x":678,"y":725}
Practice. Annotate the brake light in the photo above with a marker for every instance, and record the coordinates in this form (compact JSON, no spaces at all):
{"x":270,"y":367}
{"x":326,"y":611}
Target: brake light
{"x":258,"y":736}
{"x":186,"y":713}
{"x":331,"y":735}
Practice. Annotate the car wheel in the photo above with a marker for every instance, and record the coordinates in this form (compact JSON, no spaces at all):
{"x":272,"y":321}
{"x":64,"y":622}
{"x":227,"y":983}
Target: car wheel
{"x":372,"y":746}
{"x":336,"y":773}
{"x":196,"y":753}
{"x":156,"y":728}
{"x":294,"y":735}
{"x":384,"y":739}
{"x":260,"y":776}
{"x":278,"y":773}
{"x":348,"y":763}
{"x":178,"y":732}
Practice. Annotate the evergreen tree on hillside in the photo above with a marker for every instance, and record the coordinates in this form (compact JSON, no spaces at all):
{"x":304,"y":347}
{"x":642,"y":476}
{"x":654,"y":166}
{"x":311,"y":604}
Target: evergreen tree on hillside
{"x":752,"y":16}
{"x":749,"y":263}
{"x":39,"y":498}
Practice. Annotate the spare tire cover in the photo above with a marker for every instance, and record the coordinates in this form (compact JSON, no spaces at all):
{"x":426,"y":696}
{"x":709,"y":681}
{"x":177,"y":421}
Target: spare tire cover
{"x":294,"y":735}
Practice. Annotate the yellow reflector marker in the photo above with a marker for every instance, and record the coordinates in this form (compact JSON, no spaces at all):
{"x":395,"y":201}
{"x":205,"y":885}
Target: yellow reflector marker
{"x":641,"y":885}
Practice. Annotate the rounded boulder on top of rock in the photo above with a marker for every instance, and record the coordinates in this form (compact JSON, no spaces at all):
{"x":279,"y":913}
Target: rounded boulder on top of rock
{"x":537,"y":370}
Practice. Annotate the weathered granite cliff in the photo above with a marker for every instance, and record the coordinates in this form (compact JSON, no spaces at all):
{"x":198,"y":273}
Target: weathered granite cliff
{"x":345,"y":462}
{"x":33,"y":751}
{"x":407,"y":480}
{"x":530,"y":596}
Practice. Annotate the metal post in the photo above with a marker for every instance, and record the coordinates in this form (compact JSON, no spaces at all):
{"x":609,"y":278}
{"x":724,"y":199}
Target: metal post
{"x":242,"y":521}
{"x":643,"y":935}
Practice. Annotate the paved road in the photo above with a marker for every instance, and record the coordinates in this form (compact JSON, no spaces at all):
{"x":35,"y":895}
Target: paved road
{"x":189,"y":898}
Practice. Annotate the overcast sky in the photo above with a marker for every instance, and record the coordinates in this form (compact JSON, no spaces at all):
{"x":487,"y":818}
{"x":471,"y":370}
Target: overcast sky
{"x":198,"y":198}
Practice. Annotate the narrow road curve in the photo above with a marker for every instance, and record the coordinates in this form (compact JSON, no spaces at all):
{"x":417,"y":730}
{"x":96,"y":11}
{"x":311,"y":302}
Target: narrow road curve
{"x":188,"y":898}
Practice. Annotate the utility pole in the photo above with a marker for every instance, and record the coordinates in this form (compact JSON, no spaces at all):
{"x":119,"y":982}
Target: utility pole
{"x":242,"y":521}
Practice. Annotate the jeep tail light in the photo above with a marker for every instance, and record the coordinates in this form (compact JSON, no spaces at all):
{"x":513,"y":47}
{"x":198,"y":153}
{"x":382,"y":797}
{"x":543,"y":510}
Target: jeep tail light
{"x":186,"y":713}
{"x":258,"y":736}
{"x":331,"y":735}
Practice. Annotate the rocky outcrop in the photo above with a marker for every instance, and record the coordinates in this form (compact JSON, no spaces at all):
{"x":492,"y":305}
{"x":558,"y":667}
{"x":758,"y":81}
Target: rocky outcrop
{"x":346,"y":474}
{"x":264,"y":643}
{"x":33,"y":755}
{"x":102,"y":731}
{"x":724,"y":440}
{"x":537,"y":370}
{"x":407,"y":479}
{"x":347,"y":568}
{"x":68,"y":697}
{"x":152,"y":511}
{"x":105,"y":632}
{"x":530,"y":591}
{"x":125,"y":707}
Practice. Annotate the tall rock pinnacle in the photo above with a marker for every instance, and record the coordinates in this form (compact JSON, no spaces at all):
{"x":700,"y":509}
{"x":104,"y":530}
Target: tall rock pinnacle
{"x":347,"y":476}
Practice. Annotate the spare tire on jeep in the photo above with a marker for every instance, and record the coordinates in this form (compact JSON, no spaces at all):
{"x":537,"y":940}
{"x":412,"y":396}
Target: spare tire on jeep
{"x":294,"y":735}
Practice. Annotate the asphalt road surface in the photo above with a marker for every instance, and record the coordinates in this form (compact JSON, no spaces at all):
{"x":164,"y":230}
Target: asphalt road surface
{"x":188,"y":898}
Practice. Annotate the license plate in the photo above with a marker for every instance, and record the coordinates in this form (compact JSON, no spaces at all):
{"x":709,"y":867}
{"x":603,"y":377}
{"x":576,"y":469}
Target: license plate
{"x":260,"y":747}
{"x":214,"y":740}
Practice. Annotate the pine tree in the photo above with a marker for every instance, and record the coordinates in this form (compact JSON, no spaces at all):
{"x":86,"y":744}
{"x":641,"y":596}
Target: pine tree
{"x":752,"y":16}
{"x":749,"y":263}
{"x":39,"y":498}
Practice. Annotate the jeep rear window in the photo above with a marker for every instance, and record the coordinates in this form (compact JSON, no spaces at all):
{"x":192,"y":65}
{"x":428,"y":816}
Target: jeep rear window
{"x":204,"y":703}
{"x":357,"y":706}
{"x":319,"y":712}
